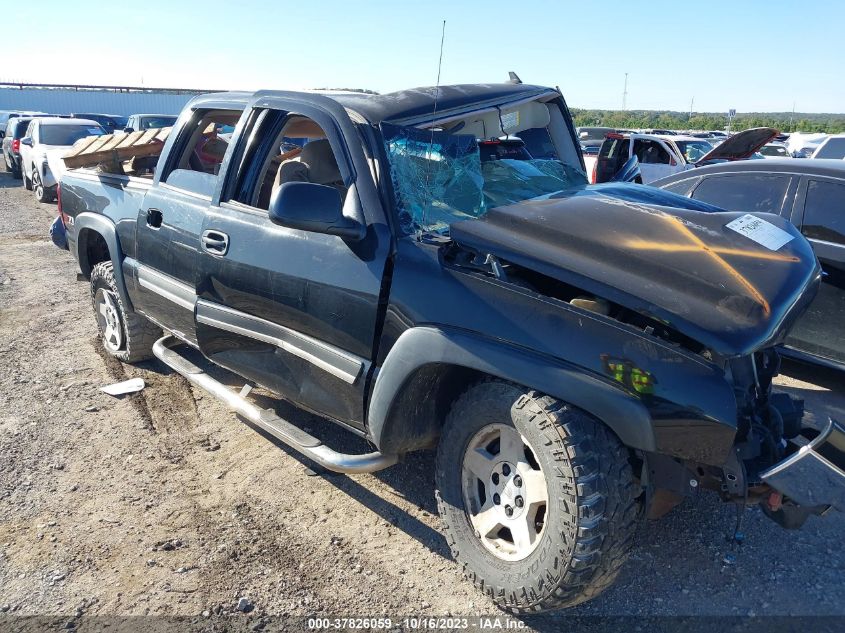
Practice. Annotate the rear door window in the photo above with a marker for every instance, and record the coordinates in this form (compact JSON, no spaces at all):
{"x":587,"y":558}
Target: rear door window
{"x":763,"y":193}
{"x":824,"y":212}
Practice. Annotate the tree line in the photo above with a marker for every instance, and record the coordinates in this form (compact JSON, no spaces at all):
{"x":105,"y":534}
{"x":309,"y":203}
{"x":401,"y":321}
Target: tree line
{"x":666,"y":119}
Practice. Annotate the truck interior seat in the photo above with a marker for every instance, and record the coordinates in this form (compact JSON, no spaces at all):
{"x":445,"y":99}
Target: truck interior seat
{"x":315,"y":164}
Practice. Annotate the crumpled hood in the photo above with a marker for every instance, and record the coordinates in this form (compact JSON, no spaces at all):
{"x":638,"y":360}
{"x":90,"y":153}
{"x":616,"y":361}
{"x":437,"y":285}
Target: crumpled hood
{"x":663,"y":255}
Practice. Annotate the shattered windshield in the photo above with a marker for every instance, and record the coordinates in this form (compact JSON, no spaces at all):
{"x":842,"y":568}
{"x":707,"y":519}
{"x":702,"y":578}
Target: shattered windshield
{"x":440,"y":177}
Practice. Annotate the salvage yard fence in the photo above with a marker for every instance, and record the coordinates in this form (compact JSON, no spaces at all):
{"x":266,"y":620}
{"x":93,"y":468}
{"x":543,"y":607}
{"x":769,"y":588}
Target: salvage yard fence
{"x":67,"y":98}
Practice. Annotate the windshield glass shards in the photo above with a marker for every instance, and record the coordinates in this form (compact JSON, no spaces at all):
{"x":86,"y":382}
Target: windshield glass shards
{"x":436,"y":176}
{"x":439,"y":177}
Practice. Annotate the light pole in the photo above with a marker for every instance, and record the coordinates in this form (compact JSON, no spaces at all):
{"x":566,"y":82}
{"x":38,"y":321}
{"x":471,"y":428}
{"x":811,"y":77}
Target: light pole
{"x":625,"y":94}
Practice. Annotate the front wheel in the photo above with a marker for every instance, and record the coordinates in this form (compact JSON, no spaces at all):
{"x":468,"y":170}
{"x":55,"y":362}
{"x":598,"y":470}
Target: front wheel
{"x":27,"y":183}
{"x":537,"y":497}
{"x":125,"y":335}
{"x":42,"y":193}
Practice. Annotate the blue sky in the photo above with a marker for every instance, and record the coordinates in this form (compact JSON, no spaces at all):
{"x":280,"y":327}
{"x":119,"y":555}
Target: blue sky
{"x":746,"y":54}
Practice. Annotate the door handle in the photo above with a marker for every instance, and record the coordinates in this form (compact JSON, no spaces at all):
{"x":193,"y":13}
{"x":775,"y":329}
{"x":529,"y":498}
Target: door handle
{"x":154,"y":218}
{"x":215,"y":242}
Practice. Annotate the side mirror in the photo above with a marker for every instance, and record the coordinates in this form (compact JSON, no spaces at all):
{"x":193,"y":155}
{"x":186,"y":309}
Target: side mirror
{"x":2,"y":134}
{"x":128,"y":130}
{"x":26,"y":140}
{"x":311,"y":207}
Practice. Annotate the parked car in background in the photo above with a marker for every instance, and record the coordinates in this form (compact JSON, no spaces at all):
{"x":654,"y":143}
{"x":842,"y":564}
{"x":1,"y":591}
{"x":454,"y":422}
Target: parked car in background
{"x":110,"y":122}
{"x":43,"y":135}
{"x":832,"y":147}
{"x":661,"y":132}
{"x":12,"y":135}
{"x":593,"y":136}
{"x":5,"y":115}
{"x":148,"y":121}
{"x":775,"y":150}
{"x":811,"y":194}
{"x":802,"y":145}
{"x":591,"y":139}
{"x":660,"y":156}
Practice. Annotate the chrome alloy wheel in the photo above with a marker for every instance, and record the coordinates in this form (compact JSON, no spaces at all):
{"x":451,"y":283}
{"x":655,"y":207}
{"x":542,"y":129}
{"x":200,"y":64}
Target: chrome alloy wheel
{"x":108,"y":317}
{"x":38,"y":187}
{"x":505,"y":492}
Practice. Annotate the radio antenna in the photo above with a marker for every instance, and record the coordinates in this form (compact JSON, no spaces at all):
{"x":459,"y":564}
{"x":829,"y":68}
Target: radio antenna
{"x":433,"y":115}
{"x":439,"y":66}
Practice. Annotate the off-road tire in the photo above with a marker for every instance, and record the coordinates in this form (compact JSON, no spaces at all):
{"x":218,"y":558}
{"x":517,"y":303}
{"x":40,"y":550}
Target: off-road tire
{"x":139,"y":334}
{"x":591,"y":517}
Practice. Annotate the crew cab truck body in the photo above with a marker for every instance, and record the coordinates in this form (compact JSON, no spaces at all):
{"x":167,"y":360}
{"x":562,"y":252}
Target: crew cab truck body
{"x":577,"y":354}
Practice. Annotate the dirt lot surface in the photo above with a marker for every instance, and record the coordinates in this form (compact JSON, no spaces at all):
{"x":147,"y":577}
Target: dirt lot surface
{"x":163,"y":503}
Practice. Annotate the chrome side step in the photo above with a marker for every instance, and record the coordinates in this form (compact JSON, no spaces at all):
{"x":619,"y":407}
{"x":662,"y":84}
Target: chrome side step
{"x":267,"y":420}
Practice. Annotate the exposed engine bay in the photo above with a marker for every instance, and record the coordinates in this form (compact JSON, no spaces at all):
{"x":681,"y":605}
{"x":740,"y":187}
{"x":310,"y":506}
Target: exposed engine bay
{"x":769,"y":424}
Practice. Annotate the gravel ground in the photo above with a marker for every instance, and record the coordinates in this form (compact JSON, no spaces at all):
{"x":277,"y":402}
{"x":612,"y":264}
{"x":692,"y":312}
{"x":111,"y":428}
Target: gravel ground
{"x":163,"y":503}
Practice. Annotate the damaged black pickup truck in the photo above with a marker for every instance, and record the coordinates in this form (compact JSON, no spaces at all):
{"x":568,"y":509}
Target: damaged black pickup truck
{"x":430,"y":269}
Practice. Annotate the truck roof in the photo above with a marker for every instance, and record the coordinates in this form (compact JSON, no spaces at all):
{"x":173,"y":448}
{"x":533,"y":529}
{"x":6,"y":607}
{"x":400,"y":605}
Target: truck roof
{"x":419,"y":102}
{"x":411,"y":103}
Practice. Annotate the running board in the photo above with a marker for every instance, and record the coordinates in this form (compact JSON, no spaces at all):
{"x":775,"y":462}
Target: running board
{"x":267,"y":420}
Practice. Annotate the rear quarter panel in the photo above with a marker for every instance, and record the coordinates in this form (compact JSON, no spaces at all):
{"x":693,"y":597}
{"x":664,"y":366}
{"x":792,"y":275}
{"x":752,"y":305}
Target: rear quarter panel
{"x":119,"y":198}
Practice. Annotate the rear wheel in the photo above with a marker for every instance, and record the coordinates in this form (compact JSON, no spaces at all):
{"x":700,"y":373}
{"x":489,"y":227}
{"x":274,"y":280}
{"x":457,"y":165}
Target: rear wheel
{"x":125,"y":335}
{"x":537,"y":497}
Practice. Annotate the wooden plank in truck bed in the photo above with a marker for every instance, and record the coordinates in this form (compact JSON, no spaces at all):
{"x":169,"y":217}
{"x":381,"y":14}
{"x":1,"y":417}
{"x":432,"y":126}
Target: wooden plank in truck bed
{"x":114,"y":148}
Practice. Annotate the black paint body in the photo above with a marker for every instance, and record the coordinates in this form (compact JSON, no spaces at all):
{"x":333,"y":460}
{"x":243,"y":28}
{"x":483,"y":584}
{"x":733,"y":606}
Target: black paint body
{"x":363,"y":331}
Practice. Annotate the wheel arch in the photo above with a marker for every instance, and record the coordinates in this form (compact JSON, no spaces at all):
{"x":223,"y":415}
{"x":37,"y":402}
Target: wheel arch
{"x":97,"y":241}
{"x":428,"y":367}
